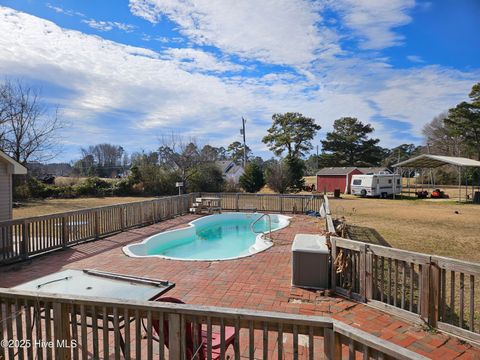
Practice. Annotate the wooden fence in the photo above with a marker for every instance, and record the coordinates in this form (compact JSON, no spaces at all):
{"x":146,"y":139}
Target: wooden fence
{"x":269,"y":202}
{"x":22,"y":238}
{"x":85,"y":328}
{"x":441,"y":292}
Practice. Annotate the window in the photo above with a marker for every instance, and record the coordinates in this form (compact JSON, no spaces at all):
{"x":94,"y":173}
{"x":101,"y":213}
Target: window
{"x":390,"y":181}
{"x":398,"y":181}
{"x":357,"y":182}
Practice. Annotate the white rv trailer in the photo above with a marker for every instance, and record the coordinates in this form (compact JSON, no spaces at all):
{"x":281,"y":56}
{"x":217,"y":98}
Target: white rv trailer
{"x":382,"y":184}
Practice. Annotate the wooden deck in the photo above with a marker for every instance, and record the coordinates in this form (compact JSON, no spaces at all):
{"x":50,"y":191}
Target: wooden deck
{"x":257,"y":283}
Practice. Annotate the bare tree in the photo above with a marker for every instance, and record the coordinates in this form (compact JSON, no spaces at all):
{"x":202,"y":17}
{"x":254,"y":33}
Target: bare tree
{"x":28,"y":127}
{"x":440,"y":140}
{"x":180,"y":154}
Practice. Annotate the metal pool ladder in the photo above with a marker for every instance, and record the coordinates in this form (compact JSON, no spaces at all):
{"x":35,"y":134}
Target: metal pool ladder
{"x":261,"y":232}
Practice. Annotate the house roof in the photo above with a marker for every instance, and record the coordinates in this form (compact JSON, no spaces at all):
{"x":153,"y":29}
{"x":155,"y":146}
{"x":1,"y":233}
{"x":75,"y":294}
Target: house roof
{"x":336,"y":170}
{"x":433,"y":161}
{"x":228,"y":166}
{"x":17,"y":167}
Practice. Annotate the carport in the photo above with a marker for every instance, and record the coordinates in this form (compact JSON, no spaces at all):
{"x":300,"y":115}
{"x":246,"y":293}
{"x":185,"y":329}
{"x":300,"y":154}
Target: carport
{"x":428,"y":161}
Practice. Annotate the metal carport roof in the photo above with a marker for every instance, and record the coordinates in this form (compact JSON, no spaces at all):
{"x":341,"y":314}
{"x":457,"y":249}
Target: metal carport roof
{"x":433,"y":161}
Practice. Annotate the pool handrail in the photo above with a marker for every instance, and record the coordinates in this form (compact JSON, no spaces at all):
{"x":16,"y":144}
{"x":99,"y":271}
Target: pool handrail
{"x":252,"y":226}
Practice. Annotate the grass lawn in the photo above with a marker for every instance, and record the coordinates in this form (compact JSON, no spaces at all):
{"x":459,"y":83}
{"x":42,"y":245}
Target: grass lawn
{"x":417,"y":225}
{"x":50,"y":206}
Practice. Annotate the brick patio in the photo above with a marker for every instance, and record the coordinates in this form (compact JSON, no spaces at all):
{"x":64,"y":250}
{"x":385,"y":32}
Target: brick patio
{"x":260,"y":282}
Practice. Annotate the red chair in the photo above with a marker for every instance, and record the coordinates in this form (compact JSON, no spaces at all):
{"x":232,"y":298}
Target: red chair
{"x":202,"y":351}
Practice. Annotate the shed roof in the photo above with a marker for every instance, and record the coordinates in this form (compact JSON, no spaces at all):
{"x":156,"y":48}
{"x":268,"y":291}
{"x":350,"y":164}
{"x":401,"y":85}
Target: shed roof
{"x":433,"y":161}
{"x":17,"y":167}
{"x":336,"y":170}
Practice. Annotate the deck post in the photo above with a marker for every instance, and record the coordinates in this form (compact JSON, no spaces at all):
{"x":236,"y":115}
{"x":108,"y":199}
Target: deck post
{"x":332,"y":345}
{"x":61,"y":328}
{"x":425,"y":292}
{"x":174,"y":337}
{"x":333,"y":270}
{"x":433,"y":313}
{"x":154,"y":213}
{"x":65,"y":234}
{"x":25,"y":240}
{"x":368,"y":275}
{"x":97,"y":224}
{"x":363,"y":271}
{"x":122,"y":218}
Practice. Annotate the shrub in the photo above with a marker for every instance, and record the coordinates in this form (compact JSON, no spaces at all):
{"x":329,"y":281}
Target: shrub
{"x":94,"y":187}
{"x":252,"y":180}
{"x":208,"y":178}
{"x":278,"y":177}
{"x":296,"y":169}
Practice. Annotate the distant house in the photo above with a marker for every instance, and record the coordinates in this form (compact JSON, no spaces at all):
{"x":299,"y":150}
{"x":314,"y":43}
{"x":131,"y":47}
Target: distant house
{"x":373,"y":170}
{"x":8,"y":167}
{"x":329,"y":179}
{"x":230,"y":170}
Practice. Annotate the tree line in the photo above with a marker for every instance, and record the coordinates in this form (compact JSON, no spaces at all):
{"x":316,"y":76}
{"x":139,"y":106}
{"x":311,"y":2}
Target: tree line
{"x":29,"y":129}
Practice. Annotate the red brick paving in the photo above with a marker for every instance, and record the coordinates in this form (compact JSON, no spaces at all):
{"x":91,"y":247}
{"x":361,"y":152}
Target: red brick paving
{"x":259,"y":282}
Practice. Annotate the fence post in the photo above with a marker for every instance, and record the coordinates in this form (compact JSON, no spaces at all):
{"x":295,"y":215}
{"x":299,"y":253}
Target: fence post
{"x":25,"y":240}
{"x":332,"y":345}
{"x":434,"y":300}
{"x":61,"y":330}
{"x":237,"y":197}
{"x":174,"y":338}
{"x":65,"y":233}
{"x":281,"y":203}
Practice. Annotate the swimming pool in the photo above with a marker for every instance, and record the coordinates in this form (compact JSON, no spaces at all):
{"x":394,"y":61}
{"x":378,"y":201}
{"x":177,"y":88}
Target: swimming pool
{"x":215,"y":237}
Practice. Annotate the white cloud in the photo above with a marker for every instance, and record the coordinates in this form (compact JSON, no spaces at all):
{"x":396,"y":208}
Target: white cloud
{"x":61,"y":10}
{"x":276,"y":31}
{"x":373,"y":21}
{"x":415,"y":59}
{"x":198,"y":60}
{"x":144,"y":93}
{"x":415,"y":96}
{"x":109,"y":25}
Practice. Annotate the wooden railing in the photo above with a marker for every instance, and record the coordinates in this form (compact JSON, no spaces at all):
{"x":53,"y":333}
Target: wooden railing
{"x":23,"y":238}
{"x":269,"y":202}
{"x":46,"y":327}
{"x":438,"y":291}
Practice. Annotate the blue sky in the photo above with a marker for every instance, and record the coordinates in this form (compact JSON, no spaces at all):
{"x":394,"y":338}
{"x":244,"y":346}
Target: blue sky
{"x":131,"y":72}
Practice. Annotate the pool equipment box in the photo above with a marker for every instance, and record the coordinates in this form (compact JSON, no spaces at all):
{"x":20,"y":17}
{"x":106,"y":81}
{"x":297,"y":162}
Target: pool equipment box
{"x":310,"y":257}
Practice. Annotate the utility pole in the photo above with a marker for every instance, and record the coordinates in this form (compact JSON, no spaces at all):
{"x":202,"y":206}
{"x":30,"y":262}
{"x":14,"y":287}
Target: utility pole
{"x":317,"y":159}
{"x":242,"y":131}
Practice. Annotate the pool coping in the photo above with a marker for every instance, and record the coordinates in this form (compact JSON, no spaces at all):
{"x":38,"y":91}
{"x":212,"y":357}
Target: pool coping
{"x":268,"y":244}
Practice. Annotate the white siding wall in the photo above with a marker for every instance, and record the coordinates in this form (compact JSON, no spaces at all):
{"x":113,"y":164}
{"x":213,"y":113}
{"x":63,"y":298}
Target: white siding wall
{"x":5,"y":191}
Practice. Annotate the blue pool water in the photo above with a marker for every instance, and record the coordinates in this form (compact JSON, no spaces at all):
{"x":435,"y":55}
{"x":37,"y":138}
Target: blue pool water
{"x":215,"y":237}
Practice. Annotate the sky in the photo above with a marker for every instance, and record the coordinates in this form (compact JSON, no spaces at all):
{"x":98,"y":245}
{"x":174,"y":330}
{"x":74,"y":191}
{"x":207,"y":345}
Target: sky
{"x":131,"y":72}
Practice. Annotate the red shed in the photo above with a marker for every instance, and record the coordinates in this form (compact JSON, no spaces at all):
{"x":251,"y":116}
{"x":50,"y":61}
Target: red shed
{"x":329,"y":179}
